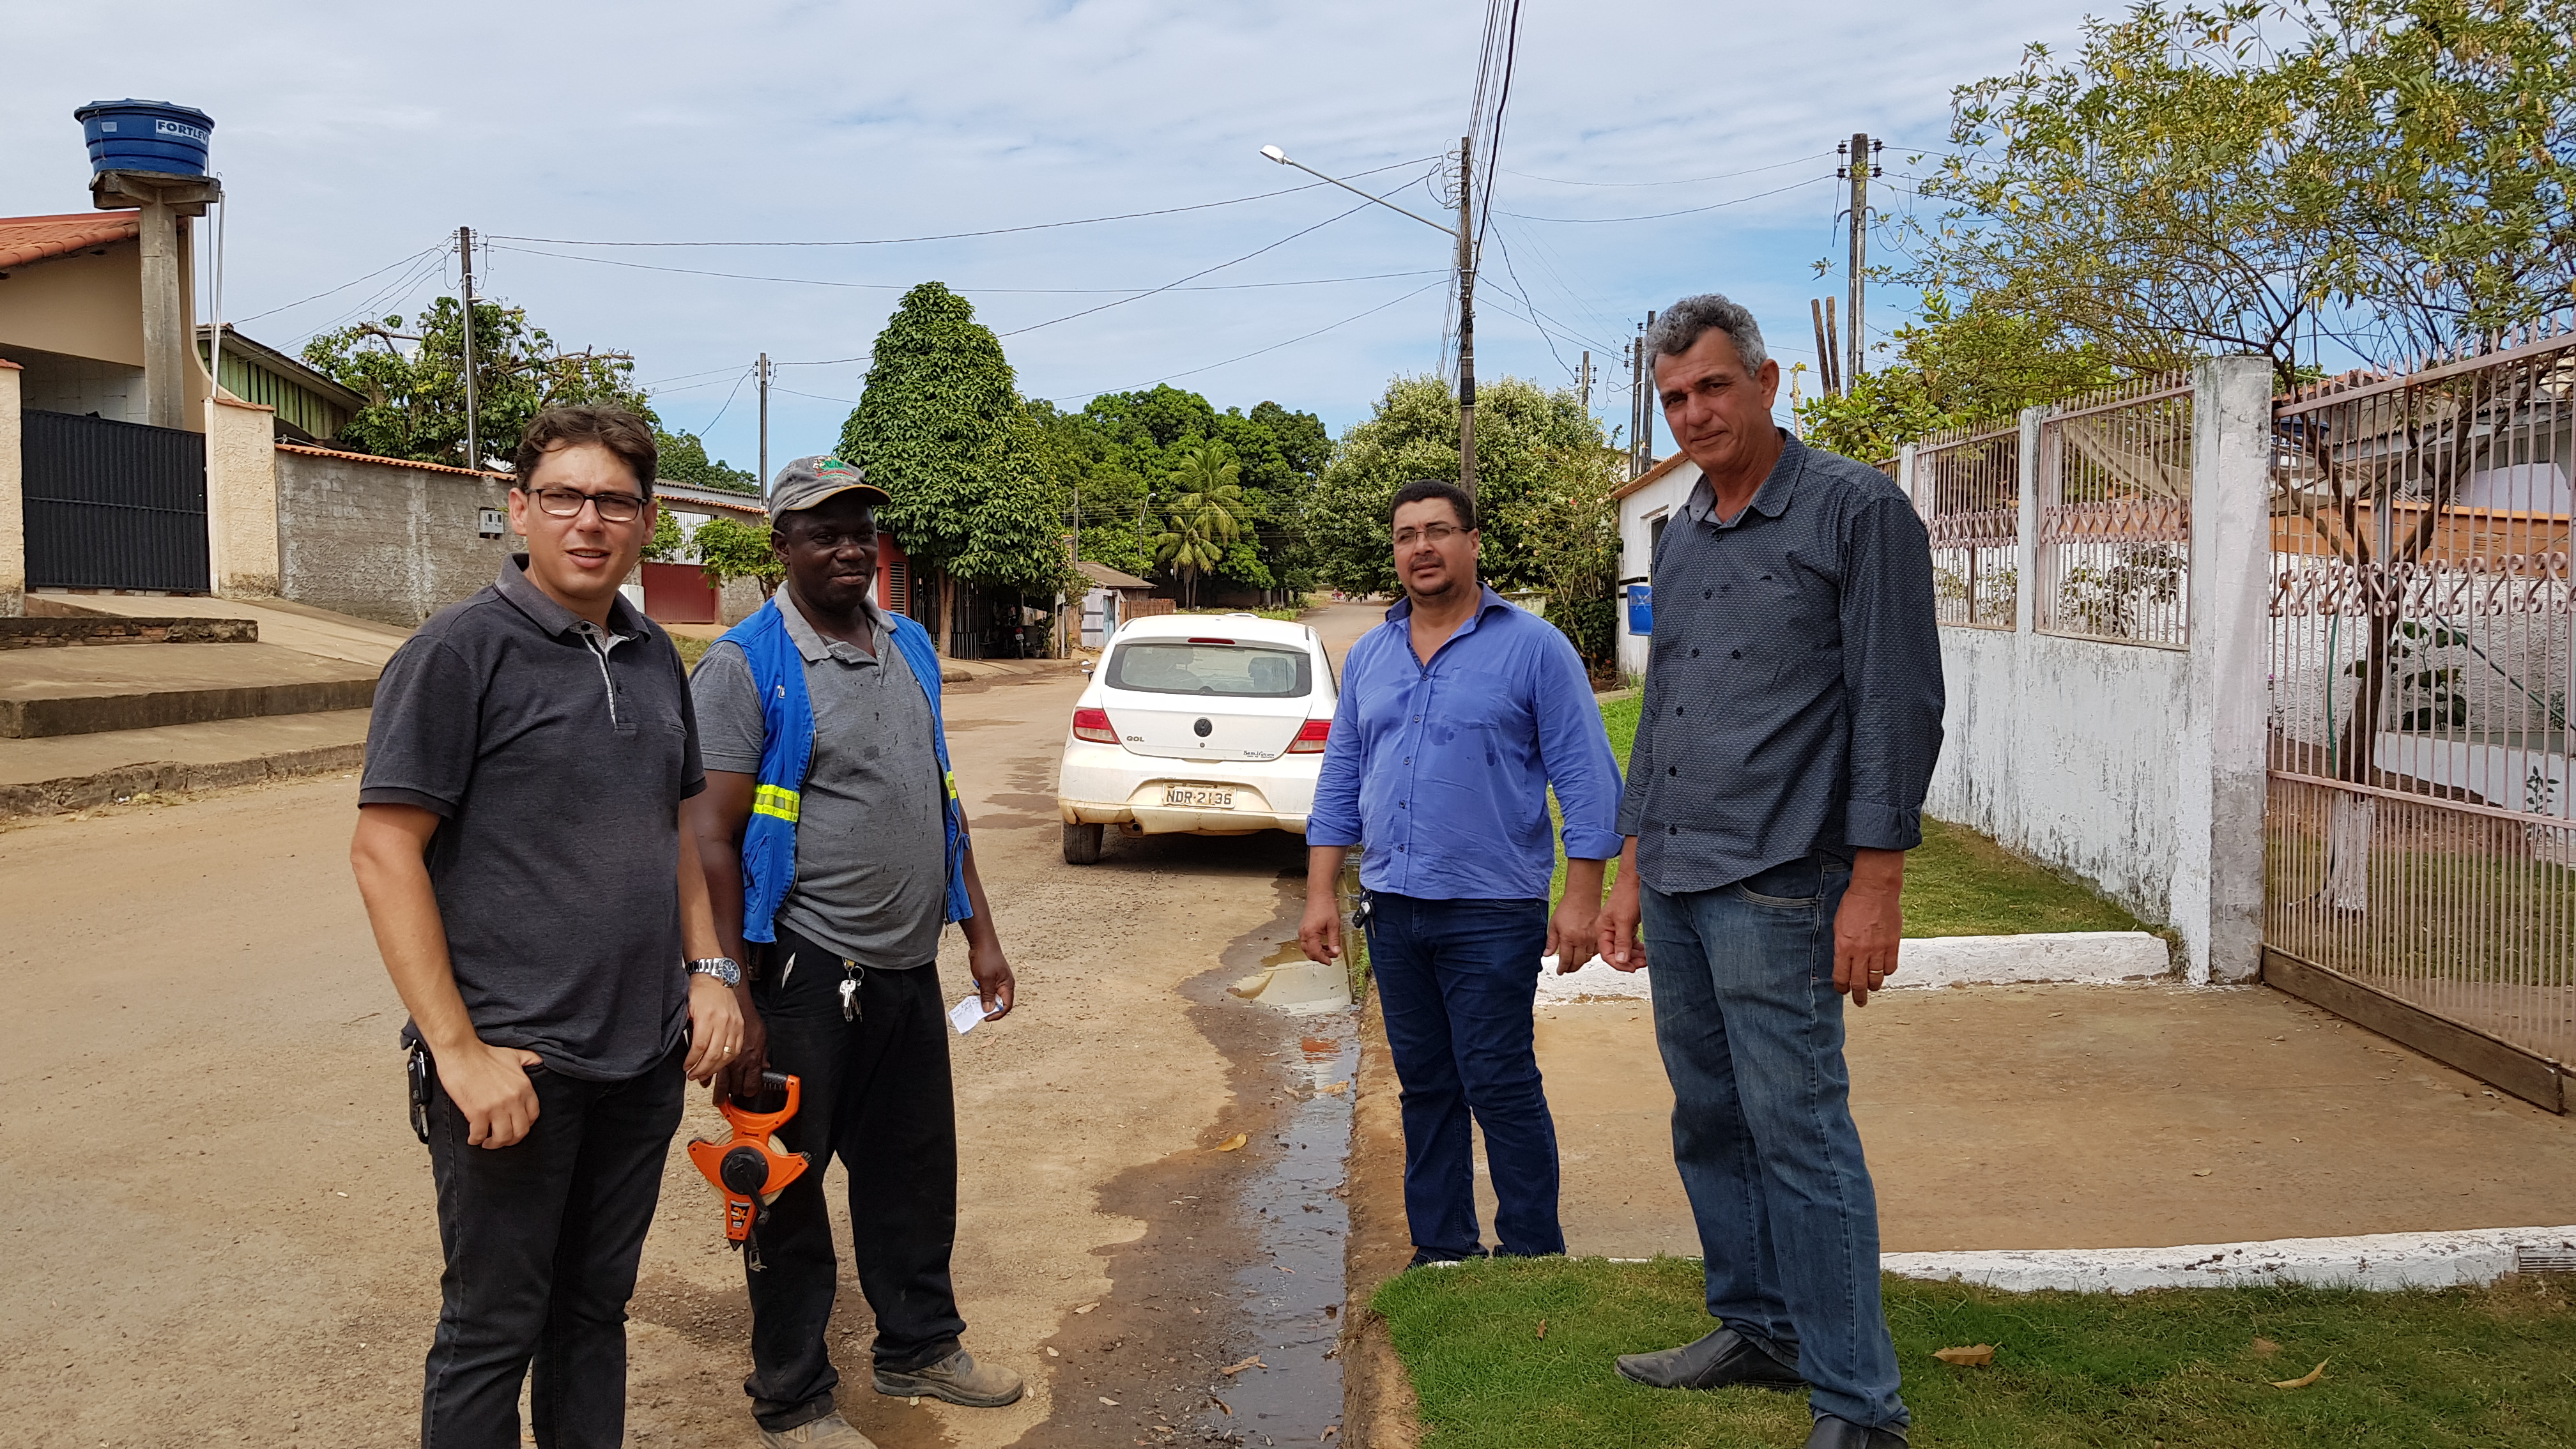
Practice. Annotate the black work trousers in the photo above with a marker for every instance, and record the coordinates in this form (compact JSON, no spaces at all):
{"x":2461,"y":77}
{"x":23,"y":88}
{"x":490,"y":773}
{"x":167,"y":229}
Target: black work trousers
{"x":542,"y":1238}
{"x":876,"y":1094}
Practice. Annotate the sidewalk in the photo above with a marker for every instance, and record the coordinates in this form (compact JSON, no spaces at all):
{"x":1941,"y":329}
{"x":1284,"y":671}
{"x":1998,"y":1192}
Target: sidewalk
{"x":2088,"y":1116}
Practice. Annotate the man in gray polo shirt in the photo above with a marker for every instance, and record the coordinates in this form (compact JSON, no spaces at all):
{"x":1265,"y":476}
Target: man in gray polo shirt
{"x":831,"y":832}
{"x":545,"y":921}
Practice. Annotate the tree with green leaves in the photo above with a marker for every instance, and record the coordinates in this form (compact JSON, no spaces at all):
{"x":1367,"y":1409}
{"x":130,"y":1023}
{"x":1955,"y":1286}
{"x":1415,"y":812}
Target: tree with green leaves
{"x":942,"y":428}
{"x":2393,"y":174}
{"x":1955,"y":367}
{"x":416,"y":394}
{"x":1207,"y":514}
{"x":728,"y":549}
{"x":1117,"y":456}
{"x":684,"y":460}
{"x":1528,"y":442}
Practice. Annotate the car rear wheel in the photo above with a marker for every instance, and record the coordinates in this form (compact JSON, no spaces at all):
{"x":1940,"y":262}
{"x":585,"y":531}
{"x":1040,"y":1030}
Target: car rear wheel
{"x":1081,"y":844}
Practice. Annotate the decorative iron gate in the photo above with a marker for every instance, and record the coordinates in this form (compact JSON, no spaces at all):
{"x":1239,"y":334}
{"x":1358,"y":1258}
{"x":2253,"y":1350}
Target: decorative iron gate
{"x":2420,"y":873}
{"x":114,"y":505}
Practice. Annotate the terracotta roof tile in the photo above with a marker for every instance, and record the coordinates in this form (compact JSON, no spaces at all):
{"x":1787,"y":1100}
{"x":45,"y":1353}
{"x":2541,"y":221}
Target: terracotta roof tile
{"x":25,"y":239}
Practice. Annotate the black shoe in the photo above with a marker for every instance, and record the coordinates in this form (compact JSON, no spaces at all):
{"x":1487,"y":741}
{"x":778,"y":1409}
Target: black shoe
{"x":1724,"y":1357}
{"x":1833,"y":1433}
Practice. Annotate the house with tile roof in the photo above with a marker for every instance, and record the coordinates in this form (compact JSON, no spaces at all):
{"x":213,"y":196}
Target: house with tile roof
{"x":71,"y":315}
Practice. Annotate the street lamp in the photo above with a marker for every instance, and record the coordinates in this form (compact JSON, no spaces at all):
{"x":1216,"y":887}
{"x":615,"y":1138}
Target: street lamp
{"x":1466,"y":292}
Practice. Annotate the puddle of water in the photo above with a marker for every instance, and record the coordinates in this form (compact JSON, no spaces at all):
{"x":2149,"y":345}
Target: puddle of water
{"x":1302,"y":1227}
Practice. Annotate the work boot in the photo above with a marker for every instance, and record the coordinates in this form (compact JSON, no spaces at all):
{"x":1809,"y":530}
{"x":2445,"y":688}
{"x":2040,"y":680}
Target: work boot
{"x":956,"y":1378}
{"x":828,"y":1432}
{"x":1722,"y":1358}
{"x":1833,"y":1433}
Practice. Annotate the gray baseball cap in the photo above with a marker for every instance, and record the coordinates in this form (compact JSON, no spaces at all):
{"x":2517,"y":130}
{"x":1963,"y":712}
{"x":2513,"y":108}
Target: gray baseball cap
{"x":808,"y":481}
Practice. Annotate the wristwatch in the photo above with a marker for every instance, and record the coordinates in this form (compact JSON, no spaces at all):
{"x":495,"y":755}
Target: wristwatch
{"x":721,"y":968}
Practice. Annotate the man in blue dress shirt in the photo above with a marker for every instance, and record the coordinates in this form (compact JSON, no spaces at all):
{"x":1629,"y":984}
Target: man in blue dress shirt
{"x":1456,"y":716}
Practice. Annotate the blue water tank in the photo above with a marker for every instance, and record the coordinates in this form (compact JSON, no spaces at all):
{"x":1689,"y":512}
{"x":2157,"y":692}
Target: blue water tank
{"x":131,"y":135}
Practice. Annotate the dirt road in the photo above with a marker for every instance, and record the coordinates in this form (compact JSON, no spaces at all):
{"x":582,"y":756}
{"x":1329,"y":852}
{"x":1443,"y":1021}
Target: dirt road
{"x":220,"y":1227}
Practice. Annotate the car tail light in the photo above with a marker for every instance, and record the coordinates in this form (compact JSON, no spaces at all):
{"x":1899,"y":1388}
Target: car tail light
{"x":1093,"y":724}
{"x":1194,"y":639}
{"x":1310,"y":737}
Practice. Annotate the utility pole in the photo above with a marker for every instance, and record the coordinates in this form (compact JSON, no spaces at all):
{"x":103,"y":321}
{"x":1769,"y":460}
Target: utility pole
{"x":1636,"y":399}
{"x":1466,"y":317}
{"x":1646,"y":408}
{"x":1587,"y":382}
{"x":764,"y":422}
{"x":1860,"y":167}
{"x":473,"y":417}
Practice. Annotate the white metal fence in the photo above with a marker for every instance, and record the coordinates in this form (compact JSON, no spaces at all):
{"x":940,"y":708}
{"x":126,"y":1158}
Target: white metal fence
{"x":1967,"y":485}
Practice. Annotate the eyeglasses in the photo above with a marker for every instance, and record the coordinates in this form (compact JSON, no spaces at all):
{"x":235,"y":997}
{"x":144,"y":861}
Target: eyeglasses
{"x":1436,"y":534}
{"x":567,"y":502}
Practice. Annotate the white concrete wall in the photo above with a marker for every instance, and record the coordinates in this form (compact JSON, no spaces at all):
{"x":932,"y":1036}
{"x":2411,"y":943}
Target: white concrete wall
{"x":2064,"y":750}
{"x":1637,"y":514}
{"x":13,"y":498}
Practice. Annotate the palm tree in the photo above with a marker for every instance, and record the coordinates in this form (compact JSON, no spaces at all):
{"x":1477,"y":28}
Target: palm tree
{"x":1208,"y":512}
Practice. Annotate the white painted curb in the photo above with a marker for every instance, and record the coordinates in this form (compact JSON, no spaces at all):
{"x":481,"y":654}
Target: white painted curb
{"x":2102,"y":958}
{"x":2381,"y":1261}
{"x":2099,"y":958}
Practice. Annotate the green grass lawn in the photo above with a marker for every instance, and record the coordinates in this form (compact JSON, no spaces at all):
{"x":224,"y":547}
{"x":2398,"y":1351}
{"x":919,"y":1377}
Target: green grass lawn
{"x":2186,"y":1367}
{"x":1957,"y":883}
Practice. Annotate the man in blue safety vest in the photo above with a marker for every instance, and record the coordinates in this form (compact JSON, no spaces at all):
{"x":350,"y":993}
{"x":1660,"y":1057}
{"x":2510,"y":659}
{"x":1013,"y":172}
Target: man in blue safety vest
{"x":835,"y":845}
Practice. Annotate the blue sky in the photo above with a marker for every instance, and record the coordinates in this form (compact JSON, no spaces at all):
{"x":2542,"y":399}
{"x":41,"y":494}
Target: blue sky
{"x":350,"y":138}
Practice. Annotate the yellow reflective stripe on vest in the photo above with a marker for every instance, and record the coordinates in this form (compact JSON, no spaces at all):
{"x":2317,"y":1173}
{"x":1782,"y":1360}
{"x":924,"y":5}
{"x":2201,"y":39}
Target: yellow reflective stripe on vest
{"x":775,"y":800}
{"x":952,"y":784}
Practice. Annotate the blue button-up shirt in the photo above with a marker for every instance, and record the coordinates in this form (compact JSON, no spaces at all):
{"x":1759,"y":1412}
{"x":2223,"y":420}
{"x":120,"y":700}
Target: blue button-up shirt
{"x":1442,"y":769}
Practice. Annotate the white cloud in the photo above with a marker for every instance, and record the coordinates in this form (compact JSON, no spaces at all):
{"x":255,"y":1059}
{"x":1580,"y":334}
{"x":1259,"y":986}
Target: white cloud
{"x":350,"y":136}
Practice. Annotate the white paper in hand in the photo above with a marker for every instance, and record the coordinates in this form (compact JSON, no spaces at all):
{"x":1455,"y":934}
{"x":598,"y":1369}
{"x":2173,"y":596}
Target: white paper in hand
{"x":967,"y":1014}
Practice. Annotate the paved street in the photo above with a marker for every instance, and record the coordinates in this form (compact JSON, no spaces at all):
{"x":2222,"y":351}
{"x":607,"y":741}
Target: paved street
{"x":220,"y":1227}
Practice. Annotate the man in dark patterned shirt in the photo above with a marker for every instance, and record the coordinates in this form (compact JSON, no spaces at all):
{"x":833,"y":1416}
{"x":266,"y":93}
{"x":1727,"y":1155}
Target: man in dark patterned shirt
{"x":1792,"y":714}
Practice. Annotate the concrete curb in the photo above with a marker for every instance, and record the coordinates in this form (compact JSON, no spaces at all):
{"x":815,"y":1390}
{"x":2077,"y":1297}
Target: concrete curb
{"x":2098,"y":958}
{"x":2378,"y":1261}
{"x":168,"y":777}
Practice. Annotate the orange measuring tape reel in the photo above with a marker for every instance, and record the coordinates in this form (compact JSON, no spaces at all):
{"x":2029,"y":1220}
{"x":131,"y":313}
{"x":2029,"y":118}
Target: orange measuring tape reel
{"x":747,"y":1169}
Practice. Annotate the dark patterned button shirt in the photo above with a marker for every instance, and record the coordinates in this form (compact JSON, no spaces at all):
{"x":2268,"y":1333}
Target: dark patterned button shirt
{"x":1793,"y":690}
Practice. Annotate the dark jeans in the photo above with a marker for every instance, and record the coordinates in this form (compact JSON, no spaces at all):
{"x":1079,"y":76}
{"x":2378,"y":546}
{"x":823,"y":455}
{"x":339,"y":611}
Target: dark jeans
{"x":1457,"y":981}
{"x":1752,"y":1036}
{"x":876,"y":1093}
{"x":542,"y":1239}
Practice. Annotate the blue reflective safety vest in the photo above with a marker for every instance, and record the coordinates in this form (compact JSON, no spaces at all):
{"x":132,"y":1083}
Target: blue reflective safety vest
{"x":787,"y":751}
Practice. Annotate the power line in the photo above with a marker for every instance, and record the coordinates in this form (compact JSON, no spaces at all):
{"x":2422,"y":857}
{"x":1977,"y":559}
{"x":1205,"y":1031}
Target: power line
{"x":889,"y":241}
{"x":980,"y":291}
{"x":728,"y":403}
{"x":1194,"y":276}
{"x":1256,"y":352}
{"x":1661,"y":215}
{"x":1687,"y":181}
{"x":344,"y":286}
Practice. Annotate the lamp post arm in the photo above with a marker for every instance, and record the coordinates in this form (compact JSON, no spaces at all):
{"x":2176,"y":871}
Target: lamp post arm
{"x":1355,"y":191}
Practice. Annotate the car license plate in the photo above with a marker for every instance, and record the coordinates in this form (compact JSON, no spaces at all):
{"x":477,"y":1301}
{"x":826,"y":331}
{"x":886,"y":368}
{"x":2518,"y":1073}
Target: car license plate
{"x":1200,"y":797}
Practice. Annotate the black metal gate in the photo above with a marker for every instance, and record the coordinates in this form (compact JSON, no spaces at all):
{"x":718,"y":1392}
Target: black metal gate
{"x":114,"y":505}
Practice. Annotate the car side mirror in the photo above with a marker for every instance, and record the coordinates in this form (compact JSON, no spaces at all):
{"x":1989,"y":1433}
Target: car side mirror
{"x":1086,"y":667}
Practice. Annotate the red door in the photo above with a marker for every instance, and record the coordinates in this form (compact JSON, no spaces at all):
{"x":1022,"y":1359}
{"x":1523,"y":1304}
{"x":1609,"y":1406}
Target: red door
{"x":678,"y":594}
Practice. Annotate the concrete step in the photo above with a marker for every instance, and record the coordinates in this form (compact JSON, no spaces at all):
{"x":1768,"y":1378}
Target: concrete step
{"x":300,"y":627}
{"x":78,"y":772}
{"x":45,"y":692}
{"x":62,"y":633}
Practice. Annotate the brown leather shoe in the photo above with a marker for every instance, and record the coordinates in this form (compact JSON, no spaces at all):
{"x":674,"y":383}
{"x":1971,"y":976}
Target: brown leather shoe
{"x":957,"y":1379}
{"x":1722,"y":1358}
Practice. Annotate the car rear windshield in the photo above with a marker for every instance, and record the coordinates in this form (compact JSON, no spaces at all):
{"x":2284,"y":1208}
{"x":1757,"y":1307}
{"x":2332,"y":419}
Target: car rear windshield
{"x":1237,"y":671}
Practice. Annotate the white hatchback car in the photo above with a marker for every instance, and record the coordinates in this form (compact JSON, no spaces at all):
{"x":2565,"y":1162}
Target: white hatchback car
{"x":1197,"y":724}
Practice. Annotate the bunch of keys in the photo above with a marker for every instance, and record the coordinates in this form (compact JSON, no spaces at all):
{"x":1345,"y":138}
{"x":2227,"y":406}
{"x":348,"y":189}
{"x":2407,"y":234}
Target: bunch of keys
{"x":849,"y":991}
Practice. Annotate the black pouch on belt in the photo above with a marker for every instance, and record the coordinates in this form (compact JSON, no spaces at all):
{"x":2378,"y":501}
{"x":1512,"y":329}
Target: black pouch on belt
{"x":418,"y":1069}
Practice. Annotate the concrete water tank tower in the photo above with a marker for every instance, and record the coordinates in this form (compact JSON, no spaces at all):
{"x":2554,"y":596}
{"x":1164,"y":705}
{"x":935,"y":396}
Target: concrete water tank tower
{"x":151,"y":155}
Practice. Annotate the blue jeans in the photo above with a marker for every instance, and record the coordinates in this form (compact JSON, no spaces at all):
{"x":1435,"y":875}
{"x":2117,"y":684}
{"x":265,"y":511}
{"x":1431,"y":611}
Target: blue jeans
{"x":1752,"y":1036}
{"x":1457,"y":981}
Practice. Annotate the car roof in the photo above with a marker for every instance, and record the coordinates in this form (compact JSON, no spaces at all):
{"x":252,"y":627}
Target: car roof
{"x":1242,"y":628}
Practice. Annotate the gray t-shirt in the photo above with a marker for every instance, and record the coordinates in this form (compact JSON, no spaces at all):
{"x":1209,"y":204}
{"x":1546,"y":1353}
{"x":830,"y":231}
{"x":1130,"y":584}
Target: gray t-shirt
{"x":555,"y":755}
{"x":871,"y":848}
